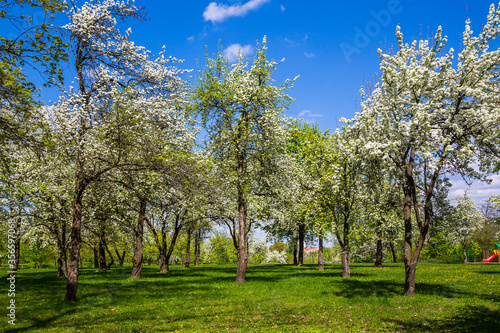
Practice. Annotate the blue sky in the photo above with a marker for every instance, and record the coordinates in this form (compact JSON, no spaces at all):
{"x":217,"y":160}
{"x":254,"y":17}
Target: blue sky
{"x":332,"y":45}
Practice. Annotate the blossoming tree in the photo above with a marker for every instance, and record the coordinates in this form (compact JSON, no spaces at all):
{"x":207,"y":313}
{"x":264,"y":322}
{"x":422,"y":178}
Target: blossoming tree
{"x":430,"y":116}
{"x":240,"y":109}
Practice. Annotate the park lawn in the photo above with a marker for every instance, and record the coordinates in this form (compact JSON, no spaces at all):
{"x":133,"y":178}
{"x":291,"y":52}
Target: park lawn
{"x":276,"y":298}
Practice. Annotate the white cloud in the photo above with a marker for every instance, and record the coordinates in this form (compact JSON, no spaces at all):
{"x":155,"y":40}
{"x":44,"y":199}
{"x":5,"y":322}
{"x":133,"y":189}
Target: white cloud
{"x":282,"y":8}
{"x":309,"y":114}
{"x":231,"y":52}
{"x":290,"y":42}
{"x":190,"y":39}
{"x":478,"y":191}
{"x":220,"y":12}
{"x":306,"y":37}
{"x":309,"y":55}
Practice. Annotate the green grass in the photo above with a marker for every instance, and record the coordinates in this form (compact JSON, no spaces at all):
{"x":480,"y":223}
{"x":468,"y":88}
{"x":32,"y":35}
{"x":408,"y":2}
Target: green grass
{"x":276,"y":298}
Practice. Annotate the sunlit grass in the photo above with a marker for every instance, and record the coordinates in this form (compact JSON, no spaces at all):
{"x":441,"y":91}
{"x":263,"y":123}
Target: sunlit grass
{"x":276,"y":298}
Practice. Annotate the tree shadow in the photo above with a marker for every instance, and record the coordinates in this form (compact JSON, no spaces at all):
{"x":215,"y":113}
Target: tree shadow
{"x":488,"y":272}
{"x":42,"y":323}
{"x":478,"y":319}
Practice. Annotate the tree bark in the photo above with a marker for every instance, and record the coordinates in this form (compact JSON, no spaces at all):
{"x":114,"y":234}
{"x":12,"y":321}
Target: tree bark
{"x":75,"y":236}
{"x":410,"y":270}
{"x":17,"y":247}
{"x":393,"y":250}
{"x":412,"y":255}
{"x":188,"y":249}
{"x":300,"y":260}
{"x":139,"y":234}
{"x":163,"y":262}
{"x":108,"y":267}
{"x":241,"y":268}
{"x":379,"y":257}
{"x":321,"y":263}
{"x":197,"y":249}
{"x":102,"y":251}
{"x":177,"y":229}
{"x":409,"y":265}
{"x":61,"y":260}
{"x":96,"y":257}
{"x":346,"y":271}
{"x":295,"y":259}
{"x":121,"y":258}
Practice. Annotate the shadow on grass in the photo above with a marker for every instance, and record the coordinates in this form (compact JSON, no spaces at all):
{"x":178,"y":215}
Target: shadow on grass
{"x":488,"y":272}
{"x":350,"y":288}
{"x":42,"y":323}
{"x":478,"y":319}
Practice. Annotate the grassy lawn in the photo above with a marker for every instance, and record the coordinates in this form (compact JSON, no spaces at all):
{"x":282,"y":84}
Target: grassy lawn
{"x":276,"y":298}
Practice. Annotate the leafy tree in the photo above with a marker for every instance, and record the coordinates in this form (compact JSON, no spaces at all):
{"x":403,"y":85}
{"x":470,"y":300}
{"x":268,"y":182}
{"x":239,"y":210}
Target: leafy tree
{"x":274,"y":256}
{"x":279,"y":246}
{"x":257,"y":251}
{"x":429,"y":117}
{"x":304,"y":140}
{"x":30,"y":43}
{"x":219,"y":249}
{"x":339,"y":163}
{"x":240,"y":109}
{"x":464,"y":221}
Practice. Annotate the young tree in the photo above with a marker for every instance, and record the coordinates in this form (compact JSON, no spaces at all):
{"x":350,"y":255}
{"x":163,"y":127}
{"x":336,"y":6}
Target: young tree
{"x":339,"y":164}
{"x":240,"y":109}
{"x":464,"y":221}
{"x":429,"y":117}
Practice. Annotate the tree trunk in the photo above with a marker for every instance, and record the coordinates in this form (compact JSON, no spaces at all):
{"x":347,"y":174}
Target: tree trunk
{"x":61,"y":260}
{"x":321,"y":263}
{"x":379,"y":257}
{"x":197,"y":249}
{"x":465,"y":254}
{"x":411,"y":257}
{"x":409,"y":267}
{"x":75,"y":236}
{"x":17,"y":248}
{"x":172,"y":244}
{"x":102,"y":252}
{"x":241,"y":268}
{"x":346,"y":271}
{"x":163,"y":263}
{"x":410,"y":270}
{"x":139,"y":233}
{"x":96,"y":257}
{"x":295,"y":260}
{"x":188,"y":249}
{"x":393,"y":250}
{"x":121,"y":258}
{"x":108,"y":267}
{"x":300,"y":261}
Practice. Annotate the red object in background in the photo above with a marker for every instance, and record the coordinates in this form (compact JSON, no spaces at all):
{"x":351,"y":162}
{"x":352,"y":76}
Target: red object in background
{"x":490,"y":258}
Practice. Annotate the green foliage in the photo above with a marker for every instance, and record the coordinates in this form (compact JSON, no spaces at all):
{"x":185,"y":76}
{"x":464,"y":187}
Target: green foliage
{"x":37,"y":253}
{"x":219,"y":249}
{"x":279,"y":246}
{"x":35,"y":44}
